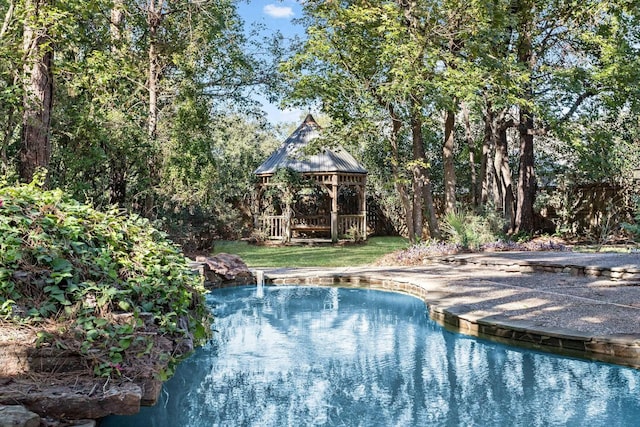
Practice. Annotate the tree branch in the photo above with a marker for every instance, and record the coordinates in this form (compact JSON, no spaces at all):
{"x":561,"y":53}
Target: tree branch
{"x":576,"y":104}
{"x":7,"y":19}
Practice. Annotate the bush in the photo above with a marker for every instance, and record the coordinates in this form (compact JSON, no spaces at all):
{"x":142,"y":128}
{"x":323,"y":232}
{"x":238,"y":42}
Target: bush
{"x":634,"y":228}
{"x":110,"y":282}
{"x":471,"y":231}
{"x":465,"y":232}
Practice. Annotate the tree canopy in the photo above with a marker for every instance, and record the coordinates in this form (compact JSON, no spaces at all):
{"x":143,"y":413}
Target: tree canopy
{"x":149,"y":104}
{"x":525,"y":87}
{"x":135,"y":102}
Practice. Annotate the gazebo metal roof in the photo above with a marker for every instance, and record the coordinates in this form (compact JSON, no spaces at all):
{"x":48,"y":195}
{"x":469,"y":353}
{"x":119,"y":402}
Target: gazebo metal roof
{"x":290,"y":155}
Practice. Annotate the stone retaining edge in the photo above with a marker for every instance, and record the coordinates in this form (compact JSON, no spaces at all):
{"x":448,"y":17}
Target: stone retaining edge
{"x":614,"y":273}
{"x":619,"y":349}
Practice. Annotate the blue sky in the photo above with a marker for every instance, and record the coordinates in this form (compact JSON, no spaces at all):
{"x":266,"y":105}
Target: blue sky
{"x":274,"y":15}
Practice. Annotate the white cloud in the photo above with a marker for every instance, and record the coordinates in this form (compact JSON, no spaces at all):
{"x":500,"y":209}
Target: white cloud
{"x":278,"y":11}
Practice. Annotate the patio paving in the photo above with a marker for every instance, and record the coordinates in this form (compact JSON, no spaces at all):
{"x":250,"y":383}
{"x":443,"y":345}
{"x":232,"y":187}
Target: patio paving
{"x":584,"y":305}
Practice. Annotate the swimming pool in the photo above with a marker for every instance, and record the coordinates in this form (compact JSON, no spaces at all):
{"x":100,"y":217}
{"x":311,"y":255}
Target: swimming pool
{"x":354,"y":357}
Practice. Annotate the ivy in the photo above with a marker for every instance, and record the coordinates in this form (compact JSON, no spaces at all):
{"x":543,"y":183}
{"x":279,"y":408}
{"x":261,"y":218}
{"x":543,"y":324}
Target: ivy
{"x":99,"y":273}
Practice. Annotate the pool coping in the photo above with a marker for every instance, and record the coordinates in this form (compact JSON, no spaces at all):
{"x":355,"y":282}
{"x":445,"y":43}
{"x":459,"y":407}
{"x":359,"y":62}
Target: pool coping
{"x":619,"y":348}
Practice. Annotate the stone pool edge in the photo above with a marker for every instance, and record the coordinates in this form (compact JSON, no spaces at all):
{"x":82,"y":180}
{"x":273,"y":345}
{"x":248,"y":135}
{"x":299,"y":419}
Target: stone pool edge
{"x":618,"y":349}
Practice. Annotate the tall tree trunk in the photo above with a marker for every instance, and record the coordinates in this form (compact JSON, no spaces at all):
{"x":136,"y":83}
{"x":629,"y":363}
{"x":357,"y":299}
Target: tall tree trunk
{"x":35,"y":149}
{"x":504,"y":171}
{"x":154,"y":18}
{"x":491,"y":187}
{"x":417,"y":169}
{"x":473,"y":190}
{"x":448,"y":148}
{"x":526,"y":174}
{"x":396,"y":126}
{"x":485,"y":169}
{"x":432,"y":218}
{"x":422,"y":181}
{"x":500,"y":151}
{"x":498,"y":173}
{"x":12,"y":113}
{"x":118,"y":176}
{"x":448,"y":162}
{"x":422,"y":189}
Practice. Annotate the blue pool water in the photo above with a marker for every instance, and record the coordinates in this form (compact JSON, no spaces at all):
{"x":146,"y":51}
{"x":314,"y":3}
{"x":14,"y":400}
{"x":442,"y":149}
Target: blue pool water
{"x":303,"y":356}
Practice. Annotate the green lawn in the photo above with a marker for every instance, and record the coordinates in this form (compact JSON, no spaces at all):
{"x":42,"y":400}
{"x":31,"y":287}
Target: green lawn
{"x":312,"y":256}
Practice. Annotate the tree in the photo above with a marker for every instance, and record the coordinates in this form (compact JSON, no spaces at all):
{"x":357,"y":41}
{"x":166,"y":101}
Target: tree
{"x":35,"y":148}
{"x":10,"y":88}
{"x":543,"y":61}
{"x":357,"y":82}
{"x":111,"y":138}
{"x":527,"y":65}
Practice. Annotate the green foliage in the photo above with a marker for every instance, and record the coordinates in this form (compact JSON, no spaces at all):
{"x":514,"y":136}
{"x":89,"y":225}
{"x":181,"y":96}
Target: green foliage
{"x":287,"y":183}
{"x":354,"y":234}
{"x":207,"y":141}
{"x":207,"y":176}
{"x":634,"y":228}
{"x":501,"y":58}
{"x":287,"y":189}
{"x":105,"y":275}
{"x":470,"y":230}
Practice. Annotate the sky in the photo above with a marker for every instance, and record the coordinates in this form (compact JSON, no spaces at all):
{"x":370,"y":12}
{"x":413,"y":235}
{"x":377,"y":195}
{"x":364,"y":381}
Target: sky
{"x":274,"y":15}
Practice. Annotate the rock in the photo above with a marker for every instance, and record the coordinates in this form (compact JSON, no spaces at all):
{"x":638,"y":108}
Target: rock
{"x":151,"y":389}
{"x":48,"y":359}
{"x":18,"y":416}
{"x":51,"y":422}
{"x":64,"y":403}
{"x":223,"y":270}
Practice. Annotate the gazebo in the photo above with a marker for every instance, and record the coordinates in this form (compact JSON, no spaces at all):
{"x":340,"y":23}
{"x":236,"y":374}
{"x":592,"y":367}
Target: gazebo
{"x":332,"y":203}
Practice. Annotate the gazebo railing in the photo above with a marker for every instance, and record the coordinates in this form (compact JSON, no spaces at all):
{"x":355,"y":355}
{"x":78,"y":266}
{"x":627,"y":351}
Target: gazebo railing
{"x":349,"y":224}
{"x":274,"y":225}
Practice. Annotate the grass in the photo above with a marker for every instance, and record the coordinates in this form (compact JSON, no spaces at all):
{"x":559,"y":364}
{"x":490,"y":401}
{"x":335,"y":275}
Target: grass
{"x":313,"y":256}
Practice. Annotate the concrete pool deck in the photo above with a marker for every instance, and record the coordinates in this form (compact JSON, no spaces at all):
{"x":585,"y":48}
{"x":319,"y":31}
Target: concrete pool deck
{"x":578,"y":304}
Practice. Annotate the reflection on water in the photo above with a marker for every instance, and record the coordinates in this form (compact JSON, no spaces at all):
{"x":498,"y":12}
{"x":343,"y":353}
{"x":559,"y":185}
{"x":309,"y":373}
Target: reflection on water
{"x":350,"y":357}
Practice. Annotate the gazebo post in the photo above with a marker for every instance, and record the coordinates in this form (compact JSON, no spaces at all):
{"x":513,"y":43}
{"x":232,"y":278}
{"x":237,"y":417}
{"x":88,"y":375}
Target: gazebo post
{"x":255,"y":206}
{"x":334,"y":208}
{"x":363,"y":208}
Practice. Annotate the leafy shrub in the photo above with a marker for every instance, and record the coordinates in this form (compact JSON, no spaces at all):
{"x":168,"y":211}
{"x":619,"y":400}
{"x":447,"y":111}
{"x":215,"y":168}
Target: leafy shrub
{"x":634,"y":228}
{"x":469,"y":230}
{"x":415,"y":254}
{"x":354,"y":234}
{"x":111,"y":282}
{"x":539,"y":244}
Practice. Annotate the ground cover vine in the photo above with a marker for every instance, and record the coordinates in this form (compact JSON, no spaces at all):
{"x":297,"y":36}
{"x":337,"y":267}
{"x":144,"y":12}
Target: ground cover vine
{"x":115,"y":287}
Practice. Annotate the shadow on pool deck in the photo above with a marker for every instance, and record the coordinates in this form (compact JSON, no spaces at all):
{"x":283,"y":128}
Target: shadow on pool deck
{"x":585,"y":305}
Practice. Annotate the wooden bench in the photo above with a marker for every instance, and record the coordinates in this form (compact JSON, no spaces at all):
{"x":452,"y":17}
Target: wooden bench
{"x":306,"y":227}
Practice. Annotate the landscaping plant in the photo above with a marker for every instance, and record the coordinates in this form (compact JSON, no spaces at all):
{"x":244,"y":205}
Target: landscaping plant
{"x":469,"y":230}
{"x":104,"y":285}
{"x":634,"y":228}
